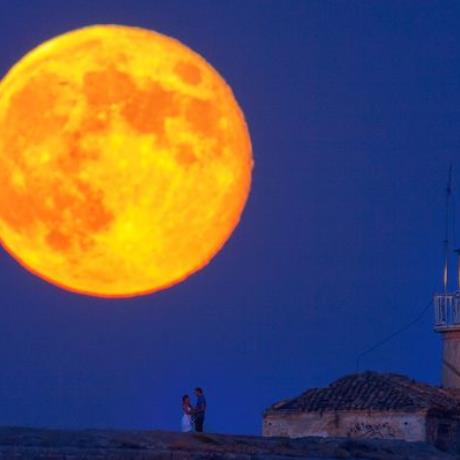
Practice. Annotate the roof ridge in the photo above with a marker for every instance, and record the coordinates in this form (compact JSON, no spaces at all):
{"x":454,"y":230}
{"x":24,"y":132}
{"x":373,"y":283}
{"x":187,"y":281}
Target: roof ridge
{"x":372,"y":391}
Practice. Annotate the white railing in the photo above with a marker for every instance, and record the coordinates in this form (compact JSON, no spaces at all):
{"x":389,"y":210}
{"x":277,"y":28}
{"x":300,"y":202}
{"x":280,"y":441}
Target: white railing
{"x":446,"y":310}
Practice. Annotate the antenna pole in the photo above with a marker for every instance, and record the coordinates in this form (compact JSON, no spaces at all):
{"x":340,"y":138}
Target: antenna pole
{"x":446,"y":235}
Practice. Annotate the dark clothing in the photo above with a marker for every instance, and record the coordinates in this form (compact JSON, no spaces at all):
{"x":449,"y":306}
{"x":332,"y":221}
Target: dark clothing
{"x":199,"y":412}
{"x":200,"y":404}
{"x":199,"y":421}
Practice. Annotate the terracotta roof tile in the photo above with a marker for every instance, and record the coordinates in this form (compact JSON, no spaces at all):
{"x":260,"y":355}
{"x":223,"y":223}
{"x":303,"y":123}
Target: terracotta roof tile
{"x":372,"y":391}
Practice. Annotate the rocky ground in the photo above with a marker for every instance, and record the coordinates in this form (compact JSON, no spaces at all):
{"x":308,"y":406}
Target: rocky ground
{"x":34,"y":444}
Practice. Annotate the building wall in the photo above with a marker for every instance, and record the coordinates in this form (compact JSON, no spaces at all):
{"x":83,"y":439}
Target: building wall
{"x":444,"y":432}
{"x":451,"y":359}
{"x":353,"y":424}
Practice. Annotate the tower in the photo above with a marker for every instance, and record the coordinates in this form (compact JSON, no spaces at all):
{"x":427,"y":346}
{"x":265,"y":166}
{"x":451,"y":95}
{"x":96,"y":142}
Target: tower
{"x":447,"y":308}
{"x":447,"y":323}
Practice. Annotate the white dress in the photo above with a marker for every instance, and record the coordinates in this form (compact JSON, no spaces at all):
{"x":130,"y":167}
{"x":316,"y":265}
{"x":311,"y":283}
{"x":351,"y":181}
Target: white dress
{"x":187,"y":422}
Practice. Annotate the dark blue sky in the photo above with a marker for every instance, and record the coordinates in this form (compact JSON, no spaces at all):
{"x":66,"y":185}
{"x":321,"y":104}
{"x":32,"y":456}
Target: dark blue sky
{"x":353,"y":109}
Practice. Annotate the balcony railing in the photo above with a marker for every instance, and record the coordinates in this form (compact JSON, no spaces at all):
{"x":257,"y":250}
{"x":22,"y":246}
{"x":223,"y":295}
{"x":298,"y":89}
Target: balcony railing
{"x":446,"y":310}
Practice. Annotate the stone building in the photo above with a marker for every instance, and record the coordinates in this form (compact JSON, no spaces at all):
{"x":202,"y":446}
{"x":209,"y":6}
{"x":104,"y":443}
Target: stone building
{"x":370,"y":405}
{"x":390,"y":406}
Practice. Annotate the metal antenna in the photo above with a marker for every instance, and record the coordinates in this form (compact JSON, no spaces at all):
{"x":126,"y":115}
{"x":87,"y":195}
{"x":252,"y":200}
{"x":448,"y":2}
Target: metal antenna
{"x":446,"y":236}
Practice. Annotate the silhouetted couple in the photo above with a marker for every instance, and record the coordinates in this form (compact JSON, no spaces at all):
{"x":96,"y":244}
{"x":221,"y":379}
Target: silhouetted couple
{"x":193,"y":418}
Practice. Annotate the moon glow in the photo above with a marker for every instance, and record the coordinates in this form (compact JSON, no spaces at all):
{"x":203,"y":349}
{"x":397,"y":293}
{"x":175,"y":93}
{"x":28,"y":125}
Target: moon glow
{"x":125,"y":161}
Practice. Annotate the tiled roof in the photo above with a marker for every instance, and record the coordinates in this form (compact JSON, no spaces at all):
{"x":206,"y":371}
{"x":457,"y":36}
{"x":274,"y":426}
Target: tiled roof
{"x":371,"y":391}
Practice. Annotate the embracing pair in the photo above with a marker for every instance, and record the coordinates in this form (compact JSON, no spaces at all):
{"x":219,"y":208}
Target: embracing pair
{"x":193,"y":417}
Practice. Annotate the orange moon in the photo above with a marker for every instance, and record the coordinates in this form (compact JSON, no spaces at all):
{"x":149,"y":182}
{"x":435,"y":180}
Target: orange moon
{"x":125,"y":161}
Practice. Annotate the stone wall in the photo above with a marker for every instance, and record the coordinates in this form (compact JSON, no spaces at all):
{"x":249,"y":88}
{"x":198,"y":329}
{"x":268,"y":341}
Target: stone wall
{"x":451,"y":359}
{"x":351,"y":424}
{"x":443,"y":432}
{"x":33,"y":444}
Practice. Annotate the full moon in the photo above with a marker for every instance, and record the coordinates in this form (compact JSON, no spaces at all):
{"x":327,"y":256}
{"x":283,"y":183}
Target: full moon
{"x":125,"y":161}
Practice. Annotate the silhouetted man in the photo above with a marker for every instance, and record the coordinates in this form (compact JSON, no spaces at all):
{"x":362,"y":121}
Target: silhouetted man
{"x":200,"y":410}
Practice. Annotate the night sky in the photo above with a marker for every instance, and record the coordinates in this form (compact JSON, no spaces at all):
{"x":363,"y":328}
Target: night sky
{"x":353,"y":110}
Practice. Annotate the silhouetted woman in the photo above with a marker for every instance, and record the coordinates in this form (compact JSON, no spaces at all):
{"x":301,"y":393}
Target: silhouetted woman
{"x":187,"y":417}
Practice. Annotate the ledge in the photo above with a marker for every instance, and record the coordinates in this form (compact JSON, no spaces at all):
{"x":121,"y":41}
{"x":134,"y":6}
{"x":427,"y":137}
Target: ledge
{"x":29,"y":443}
